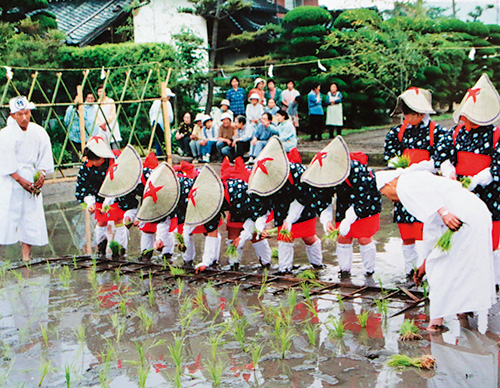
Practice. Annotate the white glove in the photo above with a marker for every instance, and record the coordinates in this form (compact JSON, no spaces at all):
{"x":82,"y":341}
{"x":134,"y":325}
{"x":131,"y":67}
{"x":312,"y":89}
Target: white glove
{"x":108,"y":201}
{"x":350,"y":218}
{"x":447,"y":169}
{"x":482,"y":178}
{"x":294,"y":212}
{"x":326,"y":216}
{"x":89,"y":200}
{"x":260,"y":224}
{"x":131,"y":214}
{"x":424,"y":165}
{"x":393,"y":161}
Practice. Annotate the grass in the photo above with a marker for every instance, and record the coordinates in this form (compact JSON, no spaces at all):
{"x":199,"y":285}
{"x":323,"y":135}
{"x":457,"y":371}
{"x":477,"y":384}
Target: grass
{"x":409,"y":331}
{"x":363,"y":318}
{"x":383,"y":306}
{"x":337,"y":328}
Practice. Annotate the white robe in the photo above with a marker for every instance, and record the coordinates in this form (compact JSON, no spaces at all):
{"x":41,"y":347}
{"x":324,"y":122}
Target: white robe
{"x":106,"y":114}
{"x":462,"y":279}
{"x":21,"y":214}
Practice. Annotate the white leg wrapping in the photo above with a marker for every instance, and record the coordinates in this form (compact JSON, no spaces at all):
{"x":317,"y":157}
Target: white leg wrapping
{"x":168,"y":244}
{"x":217,"y":250}
{"x":263,"y":251}
{"x":190,"y":252}
{"x":368,"y":254}
{"x":212,"y":251}
{"x":496,"y":265}
{"x":147,"y":241}
{"x":314,"y":253}
{"x":285,"y":256}
{"x":121,"y":236}
{"x":344,"y":256}
{"x":411,"y":257}
{"x":100,"y":234}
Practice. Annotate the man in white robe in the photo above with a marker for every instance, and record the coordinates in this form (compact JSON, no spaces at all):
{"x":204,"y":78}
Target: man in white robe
{"x":24,"y":149}
{"x":462,"y":279}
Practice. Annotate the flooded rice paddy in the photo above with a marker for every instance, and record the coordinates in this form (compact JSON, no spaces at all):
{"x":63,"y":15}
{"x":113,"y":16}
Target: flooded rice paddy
{"x":62,"y":325}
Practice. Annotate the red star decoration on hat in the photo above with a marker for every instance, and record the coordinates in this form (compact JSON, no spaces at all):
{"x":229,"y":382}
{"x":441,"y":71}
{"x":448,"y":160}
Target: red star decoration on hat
{"x":97,"y":139}
{"x":191,"y":195}
{"x":414,"y":88}
{"x":319,"y":157}
{"x":111,"y":169}
{"x":473,"y":93}
{"x":262,"y":165}
{"x":152,"y":192}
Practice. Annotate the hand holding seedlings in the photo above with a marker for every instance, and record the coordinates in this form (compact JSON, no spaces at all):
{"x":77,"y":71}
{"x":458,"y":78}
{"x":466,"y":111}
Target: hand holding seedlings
{"x":450,"y":219}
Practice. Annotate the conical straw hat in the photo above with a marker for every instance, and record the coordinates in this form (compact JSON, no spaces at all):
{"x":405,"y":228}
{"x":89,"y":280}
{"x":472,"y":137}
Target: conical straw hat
{"x":481,"y":103}
{"x":417,"y":99}
{"x":161,"y":194}
{"x":100,"y":147}
{"x":330,"y":166}
{"x":124,"y":176}
{"x":271,"y":169}
{"x":205,"y":198}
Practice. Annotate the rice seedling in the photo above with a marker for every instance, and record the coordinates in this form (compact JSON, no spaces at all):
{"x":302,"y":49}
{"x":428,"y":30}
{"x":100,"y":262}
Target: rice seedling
{"x":143,"y":376}
{"x":263,"y":286}
{"x":425,"y":289}
{"x":308,"y":274}
{"x":256,"y":350}
{"x":123,"y":305}
{"x":292,"y":299}
{"x":115,"y":248}
{"x":3,"y":269}
{"x":44,"y":335}
{"x":383,"y":306}
{"x":331,"y":235}
{"x":176,"y":271}
{"x":306,"y":291}
{"x":215,"y":340}
{"x":285,"y":234}
{"x":146,"y":319}
{"x":240,"y":324}
{"x":180,"y":287}
{"x":311,"y":308}
{"x":409,"y":331}
{"x":151,"y":294}
{"x":67,"y":376}
{"x":444,"y":242}
{"x":403,"y":361}
{"x":381,"y":285}
{"x":216,"y":369}
{"x":199,"y":302}
{"x":341,"y":302}
{"x":232,"y":252}
{"x":118,"y":326}
{"x":36,"y":190}
{"x":65,"y":276}
{"x":273,"y":232}
{"x":75,"y":265}
{"x":80,"y":334}
{"x":363,"y":318}
{"x":142,"y":353}
{"x":177,"y":357}
{"x":181,"y":245}
{"x":402,"y":161}
{"x":45,"y":369}
{"x":284,"y":338}
{"x":337,"y":328}
{"x":312,"y":333}
{"x":18,"y":275}
{"x":236,"y":289}
{"x":465,"y":181}
{"x":274,"y":253}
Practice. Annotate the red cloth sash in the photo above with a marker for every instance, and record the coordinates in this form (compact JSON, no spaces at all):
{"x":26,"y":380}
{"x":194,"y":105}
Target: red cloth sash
{"x":114,"y":213}
{"x":413,"y":230}
{"x":469,"y":163}
{"x":300,"y":230}
{"x":364,"y":227}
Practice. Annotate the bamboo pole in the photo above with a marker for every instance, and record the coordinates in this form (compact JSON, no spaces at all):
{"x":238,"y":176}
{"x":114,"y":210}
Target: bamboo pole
{"x":79,"y":101}
{"x":166,"y":119}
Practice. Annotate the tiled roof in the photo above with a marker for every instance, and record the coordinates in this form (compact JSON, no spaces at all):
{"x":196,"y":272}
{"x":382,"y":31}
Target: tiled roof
{"x":84,"y":20}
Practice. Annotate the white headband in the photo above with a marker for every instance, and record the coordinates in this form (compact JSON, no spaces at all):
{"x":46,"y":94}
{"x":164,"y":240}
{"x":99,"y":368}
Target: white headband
{"x":384,"y":177}
{"x":20,"y":103}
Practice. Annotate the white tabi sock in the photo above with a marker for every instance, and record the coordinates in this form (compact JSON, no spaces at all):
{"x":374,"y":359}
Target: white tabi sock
{"x":211,"y":251}
{"x":314,"y":253}
{"x":147,"y":241}
{"x":285,"y":256}
{"x":168,"y":244}
{"x":263,"y":251}
{"x":411,"y":257}
{"x":344,"y":256}
{"x":368,"y":254}
{"x":190,"y":252}
{"x":121,"y":236}
{"x":496,"y":265}
{"x":237,"y":259}
{"x":100,"y":234}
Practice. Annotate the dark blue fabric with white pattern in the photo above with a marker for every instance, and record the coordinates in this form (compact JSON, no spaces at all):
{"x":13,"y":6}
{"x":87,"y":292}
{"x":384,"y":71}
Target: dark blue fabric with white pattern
{"x":243,"y":206}
{"x":479,"y":141}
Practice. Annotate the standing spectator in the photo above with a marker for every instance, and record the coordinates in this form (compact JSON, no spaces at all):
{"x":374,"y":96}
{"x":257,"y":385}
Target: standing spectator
{"x":316,"y":112}
{"x":286,"y":131}
{"x":107,"y":120}
{"x":272,"y":108}
{"x":254,"y":110}
{"x":183,"y":134}
{"x":244,"y":134}
{"x":156,"y":116}
{"x":24,"y":149}
{"x":288,"y":95}
{"x":293,"y":110}
{"x":72,"y":121}
{"x":261,"y":135}
{"x":273,"y":92}
{"x":334,"y":115}
{"x":196,"y":137}
{"x":236,"y":97}
{"x":258,"y":88}
{"x":218,"y":112}
{"x":210,"y":136}
{"x":225,"y":139}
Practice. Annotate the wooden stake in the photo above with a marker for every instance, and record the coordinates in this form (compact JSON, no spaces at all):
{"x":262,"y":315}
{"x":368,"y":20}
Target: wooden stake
{"x":166,"y":119}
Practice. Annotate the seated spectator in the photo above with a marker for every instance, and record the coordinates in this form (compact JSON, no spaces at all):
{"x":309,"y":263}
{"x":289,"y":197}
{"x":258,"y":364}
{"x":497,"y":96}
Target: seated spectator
{"x":225,"y":137}
{"x":261,"y":135}
{"x":254,"y":110}
{"x":243,"y":137}
{"x":196,"y":137}
{"x":217,"y":113}
{"x":286,"y":130}
{"x":210,"y":136}
{"x":183,"y":134}
{"x":273,"y":93}
{"x":272,"y":108}
{"x":258,"y":89}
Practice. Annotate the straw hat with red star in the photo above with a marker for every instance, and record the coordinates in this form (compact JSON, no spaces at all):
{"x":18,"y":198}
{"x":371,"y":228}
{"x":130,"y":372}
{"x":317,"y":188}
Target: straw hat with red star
{"x":100,"y":147}
{"x":417,"y":99}
{"x":123,"y":175}
{"x":161,"y":194}
{"x":481,"y":104}
{"x":330,"y":166}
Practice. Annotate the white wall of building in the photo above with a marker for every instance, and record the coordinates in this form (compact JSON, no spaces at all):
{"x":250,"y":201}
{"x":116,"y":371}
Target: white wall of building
{"x":382,"y":5}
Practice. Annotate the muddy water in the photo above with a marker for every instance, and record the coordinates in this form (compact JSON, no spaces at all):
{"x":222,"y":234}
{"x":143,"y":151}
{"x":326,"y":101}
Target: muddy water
{"x":87,"y":325}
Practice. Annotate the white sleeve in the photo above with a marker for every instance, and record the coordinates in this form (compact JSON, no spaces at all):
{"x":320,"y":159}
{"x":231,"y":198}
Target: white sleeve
{"x":89,"y":200}
{"x":132,"y":213}
{"x":294,"y":212}
{"x":482,"y":178}
{"x":45,"y":159}
{"x":326,"y":216}
{"x":447,"y":168}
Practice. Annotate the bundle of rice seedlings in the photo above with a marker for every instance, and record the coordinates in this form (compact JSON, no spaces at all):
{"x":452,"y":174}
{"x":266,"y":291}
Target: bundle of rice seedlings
{"x":105,"y":209}
{"x":36,"y":177}
{"x":274,"y":253}
{"x":409,"y":331}
{"x":115,"y":248}
{"x":402,"y":361}
{"x":232,"y":252}
{"x":332,"y":235}
{"x":465,"y":181}
{"x":403,"y":161}
{"x":444,"y":242}
{"x":179,"y":238}
{"x":307,"y":274}
{"x":272,"y":232}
